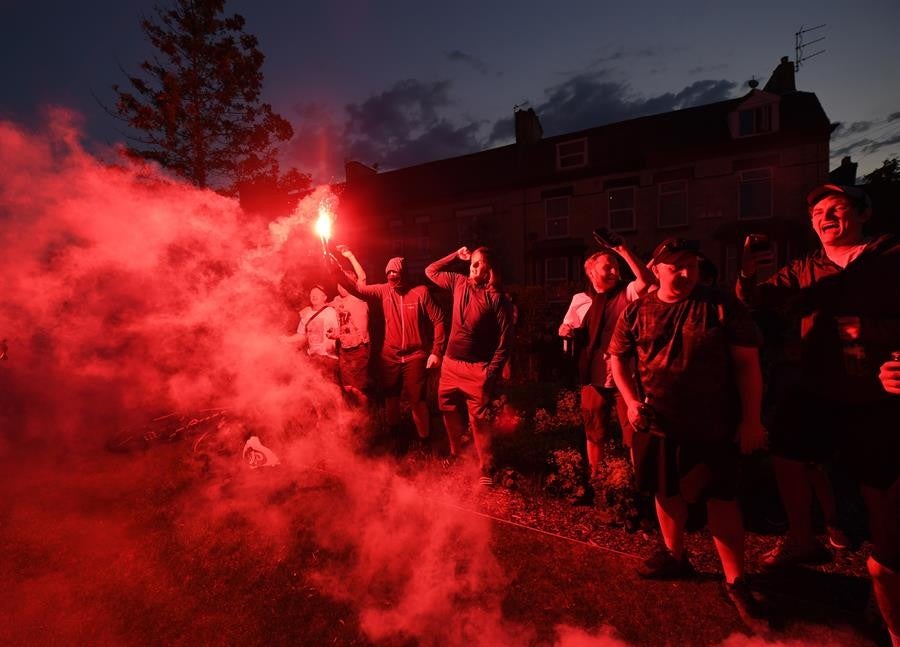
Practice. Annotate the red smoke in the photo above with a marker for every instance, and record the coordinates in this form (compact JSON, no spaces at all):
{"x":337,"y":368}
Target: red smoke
{"x":126,"y":294}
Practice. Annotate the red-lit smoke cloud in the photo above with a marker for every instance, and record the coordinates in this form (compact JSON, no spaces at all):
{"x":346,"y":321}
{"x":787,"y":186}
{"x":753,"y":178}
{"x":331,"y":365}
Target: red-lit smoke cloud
{"x":127,"y":292}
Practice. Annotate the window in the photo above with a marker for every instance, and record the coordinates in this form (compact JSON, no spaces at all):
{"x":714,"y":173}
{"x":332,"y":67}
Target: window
{"x":621,"y":209}
{"x":471,"y":224}
{"x":673,"y":210}
{"x":556,"y":269}
{"x":571,"y":154}
{"x":756,"y":194}
{"x":755,"y":121}
{"x":556,"y":215}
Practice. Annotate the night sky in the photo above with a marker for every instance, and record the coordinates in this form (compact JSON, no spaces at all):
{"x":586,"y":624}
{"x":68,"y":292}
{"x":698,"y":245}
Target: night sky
{"x":398,"y":83}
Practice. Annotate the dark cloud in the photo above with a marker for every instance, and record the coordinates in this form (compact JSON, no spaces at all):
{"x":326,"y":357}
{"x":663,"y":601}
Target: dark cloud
{"x":893,"y":116}
{"x":474,"y":62}
{"x":854,"y":128}
{"x":390,"y":116}
{"x":403,"y":125}
{"x":409,"y":123}
{"x":866,"y":146}
{"x":591,"y":99}
{"x":440,"y":140}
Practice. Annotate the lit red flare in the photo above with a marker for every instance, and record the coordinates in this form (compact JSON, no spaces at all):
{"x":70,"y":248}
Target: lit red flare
{"x":323,"y":226}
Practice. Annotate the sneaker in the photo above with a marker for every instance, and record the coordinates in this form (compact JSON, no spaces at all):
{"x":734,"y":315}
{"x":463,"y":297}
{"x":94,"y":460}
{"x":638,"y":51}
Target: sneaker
{"x":837,"y":538}
{"x":748,"y":605}
{"x":785,"y":555}
{"x":662,"y":565}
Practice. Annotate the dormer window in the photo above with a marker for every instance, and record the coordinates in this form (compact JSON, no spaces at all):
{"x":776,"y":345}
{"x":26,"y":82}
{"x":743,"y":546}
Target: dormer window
{"x":755,"y":121}
{"x":757,"y":114}
{"x":571,"y":154}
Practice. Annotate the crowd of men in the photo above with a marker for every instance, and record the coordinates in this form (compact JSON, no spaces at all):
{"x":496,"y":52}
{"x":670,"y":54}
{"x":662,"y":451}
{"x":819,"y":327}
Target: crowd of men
{"x":674,"y":361}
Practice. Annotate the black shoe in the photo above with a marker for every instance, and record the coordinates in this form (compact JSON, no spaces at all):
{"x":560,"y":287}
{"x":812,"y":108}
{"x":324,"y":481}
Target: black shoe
{"x":748,"y":606}
{"x":662,"y":565}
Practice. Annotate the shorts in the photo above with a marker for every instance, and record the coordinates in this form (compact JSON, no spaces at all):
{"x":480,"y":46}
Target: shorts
{"x":870,"y":442}
{"x":464,"y":383}
{"x":805,"y":427}
{"x":353,"y":365}
{"x":598,"y":405}
{"x":403,"y":378}
{"x":863,"y":436}
{"x":698,"y":470}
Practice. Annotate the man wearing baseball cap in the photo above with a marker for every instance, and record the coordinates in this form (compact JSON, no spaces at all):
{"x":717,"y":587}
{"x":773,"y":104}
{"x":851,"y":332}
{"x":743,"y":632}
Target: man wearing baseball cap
{"x":695,"y":406}
{"x":846,"y":297}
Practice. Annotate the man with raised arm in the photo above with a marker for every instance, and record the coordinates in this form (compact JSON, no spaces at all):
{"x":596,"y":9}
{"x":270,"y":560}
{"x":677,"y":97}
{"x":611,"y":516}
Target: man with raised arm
{"x":480,"y":338}
{"x":414,"y":339}
{"x":592,"y":316}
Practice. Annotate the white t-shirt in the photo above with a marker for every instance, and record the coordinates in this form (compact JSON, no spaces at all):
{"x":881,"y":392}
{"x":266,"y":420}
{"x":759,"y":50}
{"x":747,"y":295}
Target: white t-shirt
{"x":315,"y":327}
{"x":581,"y":303}
{"x":353,"y":315}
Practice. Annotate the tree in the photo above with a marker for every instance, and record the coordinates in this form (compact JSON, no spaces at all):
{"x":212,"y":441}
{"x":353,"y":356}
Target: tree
{"x":200,"y":113}
{"x":887,"y":173}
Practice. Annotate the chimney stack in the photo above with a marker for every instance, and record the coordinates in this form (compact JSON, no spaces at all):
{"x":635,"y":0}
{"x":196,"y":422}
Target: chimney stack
{"x":528,"y":127}
{"x":782,"y":79}
{"x":845,"y":173}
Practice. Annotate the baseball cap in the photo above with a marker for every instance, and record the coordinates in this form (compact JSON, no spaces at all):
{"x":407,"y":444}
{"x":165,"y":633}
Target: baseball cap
{"x":395,"y":265}
{"x":856,"y":194}
{"x":673,"y":247}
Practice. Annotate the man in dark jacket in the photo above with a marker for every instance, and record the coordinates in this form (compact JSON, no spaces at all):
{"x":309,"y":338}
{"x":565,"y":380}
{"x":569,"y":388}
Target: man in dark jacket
{"x":846,"y":296}
{"x":414,"y":339}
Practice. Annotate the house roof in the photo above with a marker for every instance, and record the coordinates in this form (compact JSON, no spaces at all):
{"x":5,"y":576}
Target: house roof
{"x":655,"y":141}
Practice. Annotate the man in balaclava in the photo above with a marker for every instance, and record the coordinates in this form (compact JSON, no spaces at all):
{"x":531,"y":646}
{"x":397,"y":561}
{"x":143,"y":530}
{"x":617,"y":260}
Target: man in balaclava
{"x":414,"y":339}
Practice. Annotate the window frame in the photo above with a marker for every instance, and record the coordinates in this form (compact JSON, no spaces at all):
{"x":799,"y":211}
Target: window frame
{"x":633,"y":208}
{"x":583,"y":154}
{"x":742,"y":181}
{"x":567,"y":218}
{"x":659,"y":202}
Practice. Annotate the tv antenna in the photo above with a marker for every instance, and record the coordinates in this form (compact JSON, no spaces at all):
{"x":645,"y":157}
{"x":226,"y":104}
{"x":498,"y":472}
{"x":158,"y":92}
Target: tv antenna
{"x":800,"y":45}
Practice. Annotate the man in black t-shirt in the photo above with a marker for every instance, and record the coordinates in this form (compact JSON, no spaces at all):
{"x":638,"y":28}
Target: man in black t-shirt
{"x":698,"y":370}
